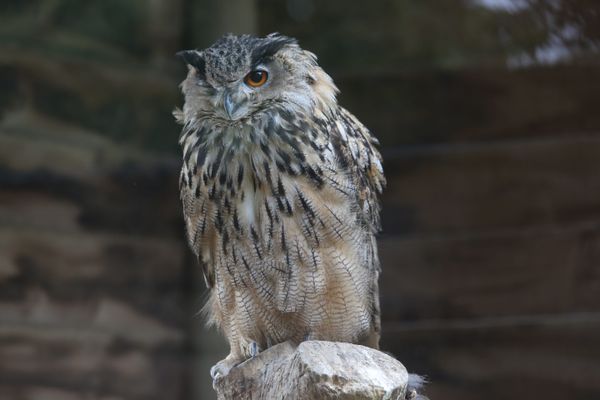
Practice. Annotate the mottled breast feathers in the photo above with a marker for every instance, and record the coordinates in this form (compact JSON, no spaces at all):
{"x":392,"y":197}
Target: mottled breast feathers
{"x":238,"y":179}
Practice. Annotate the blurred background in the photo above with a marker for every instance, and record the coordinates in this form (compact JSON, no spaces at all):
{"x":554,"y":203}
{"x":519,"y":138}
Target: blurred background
{"x":488,"y":113}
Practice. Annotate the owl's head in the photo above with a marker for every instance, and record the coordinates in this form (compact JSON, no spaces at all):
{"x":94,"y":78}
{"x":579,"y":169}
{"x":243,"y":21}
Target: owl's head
{"x":241,"y":76}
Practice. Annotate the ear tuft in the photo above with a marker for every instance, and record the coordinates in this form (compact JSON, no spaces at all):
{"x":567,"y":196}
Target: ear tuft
{"x":193,"y":58}
{"x":271,"y":45}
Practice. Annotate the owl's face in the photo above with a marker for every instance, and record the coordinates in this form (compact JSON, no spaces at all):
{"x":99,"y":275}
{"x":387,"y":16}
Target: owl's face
{"x":241,"y":76}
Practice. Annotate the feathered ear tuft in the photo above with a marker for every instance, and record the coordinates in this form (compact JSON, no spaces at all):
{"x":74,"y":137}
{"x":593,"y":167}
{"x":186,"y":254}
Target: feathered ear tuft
{"x":194,"y":58}
{"x":270,"y":45}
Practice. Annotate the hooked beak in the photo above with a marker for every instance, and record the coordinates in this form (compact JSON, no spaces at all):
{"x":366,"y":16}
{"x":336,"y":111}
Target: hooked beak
{"x":230,"y":105}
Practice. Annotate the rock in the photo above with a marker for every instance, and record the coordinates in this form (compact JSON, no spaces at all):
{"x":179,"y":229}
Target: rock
{"x":316,"y":370}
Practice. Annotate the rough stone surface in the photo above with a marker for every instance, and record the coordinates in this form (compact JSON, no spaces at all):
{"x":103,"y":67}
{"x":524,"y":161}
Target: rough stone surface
{"x":316,"y":370}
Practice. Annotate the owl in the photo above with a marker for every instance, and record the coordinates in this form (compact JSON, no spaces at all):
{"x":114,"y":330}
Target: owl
{"x":279,"y":187}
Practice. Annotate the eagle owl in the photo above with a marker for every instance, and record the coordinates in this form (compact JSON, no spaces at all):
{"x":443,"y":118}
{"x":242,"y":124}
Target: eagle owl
{"x":280,"y":189}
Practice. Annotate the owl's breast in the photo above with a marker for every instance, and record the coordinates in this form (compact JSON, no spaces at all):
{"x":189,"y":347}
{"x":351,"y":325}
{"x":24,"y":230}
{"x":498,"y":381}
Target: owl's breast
{"x":270,"y":202}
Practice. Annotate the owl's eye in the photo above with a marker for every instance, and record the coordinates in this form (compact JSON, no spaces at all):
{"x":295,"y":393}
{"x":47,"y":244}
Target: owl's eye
{"x":256,"y":78}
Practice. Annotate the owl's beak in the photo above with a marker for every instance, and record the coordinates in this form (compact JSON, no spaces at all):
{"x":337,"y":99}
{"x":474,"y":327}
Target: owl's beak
{"x":230,"y":105}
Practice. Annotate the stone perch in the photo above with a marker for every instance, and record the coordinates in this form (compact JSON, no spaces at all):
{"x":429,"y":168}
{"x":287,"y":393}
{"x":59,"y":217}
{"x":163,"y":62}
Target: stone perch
{"x":318,"y":370}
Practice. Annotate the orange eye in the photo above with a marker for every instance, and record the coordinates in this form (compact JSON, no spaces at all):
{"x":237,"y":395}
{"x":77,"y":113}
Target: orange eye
{"x":256,"y":78}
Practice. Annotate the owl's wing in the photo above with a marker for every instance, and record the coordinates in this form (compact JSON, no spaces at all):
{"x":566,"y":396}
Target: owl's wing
{"x":197,"y":213}
{"x":356,"y":151}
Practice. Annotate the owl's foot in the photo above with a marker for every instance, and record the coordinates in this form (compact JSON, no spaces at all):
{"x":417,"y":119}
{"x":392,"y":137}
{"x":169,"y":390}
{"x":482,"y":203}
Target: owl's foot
{"x":223,"y":367}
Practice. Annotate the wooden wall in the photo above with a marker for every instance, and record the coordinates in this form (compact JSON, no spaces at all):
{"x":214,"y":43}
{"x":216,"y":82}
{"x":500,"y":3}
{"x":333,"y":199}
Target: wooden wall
{"x":93,"y":292}
{"x":95,"y":283}
{"x":491,"y":242}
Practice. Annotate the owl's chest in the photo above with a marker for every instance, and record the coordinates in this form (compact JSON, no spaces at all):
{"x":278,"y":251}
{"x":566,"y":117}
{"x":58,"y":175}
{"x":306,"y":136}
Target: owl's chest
{"x":263,"y":201}
{"x":252,"y":204}
{"x":232,"y":203}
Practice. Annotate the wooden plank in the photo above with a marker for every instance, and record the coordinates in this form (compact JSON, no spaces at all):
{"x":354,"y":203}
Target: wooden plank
{"x":84,"y":268}
{"x":503,"y":273}
{"x":458,"y":189}
{"x":460,"y":106}
{"x":94,"y":274}
{"x":541,"y":357}
{"x":128,"y":104}
{"x":93,"y":267}
{"x":106,"y":187}
{"x":77,"y":258}
{"x":40,"y":392}
{"x":38,"y":360}
{"x":39,"y":211}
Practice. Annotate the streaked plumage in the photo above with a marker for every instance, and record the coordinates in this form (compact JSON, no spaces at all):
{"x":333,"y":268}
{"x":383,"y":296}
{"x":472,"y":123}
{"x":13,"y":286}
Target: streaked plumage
{"x":280,"y":197}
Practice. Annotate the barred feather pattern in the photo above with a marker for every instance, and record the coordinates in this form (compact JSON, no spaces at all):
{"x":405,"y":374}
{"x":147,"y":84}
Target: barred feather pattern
{"x":284,"y":225}
{"x":282,"y":211}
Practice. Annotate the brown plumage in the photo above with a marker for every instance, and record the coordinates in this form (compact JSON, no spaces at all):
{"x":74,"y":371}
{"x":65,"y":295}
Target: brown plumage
{"x":279,"y":188}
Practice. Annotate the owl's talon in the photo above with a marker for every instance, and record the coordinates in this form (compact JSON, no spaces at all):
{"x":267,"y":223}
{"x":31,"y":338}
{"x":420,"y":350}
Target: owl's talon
{"x":254,"y":349}
{"x":215,"y":372}
{"x":222,"y":368}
